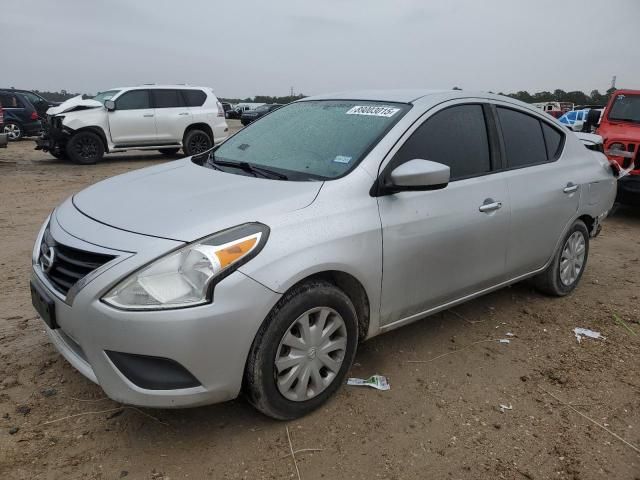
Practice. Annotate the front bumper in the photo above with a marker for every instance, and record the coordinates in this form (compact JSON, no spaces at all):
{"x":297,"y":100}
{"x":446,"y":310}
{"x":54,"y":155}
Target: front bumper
{"x":54,"y":136}
{"x":210,"y":342}
{"x":629,"y":190}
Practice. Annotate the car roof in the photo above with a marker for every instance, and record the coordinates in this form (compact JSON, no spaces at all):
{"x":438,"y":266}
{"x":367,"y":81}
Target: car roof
{"x":154,"y":86}
{"x":399,"y":96}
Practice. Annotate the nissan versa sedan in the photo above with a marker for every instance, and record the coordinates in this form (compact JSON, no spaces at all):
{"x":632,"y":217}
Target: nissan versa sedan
{"x":258,"y":266}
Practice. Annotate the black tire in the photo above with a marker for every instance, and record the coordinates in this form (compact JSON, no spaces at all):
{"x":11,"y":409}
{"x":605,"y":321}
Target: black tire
{"x":14,"y":131}
{"x":85,"y":148}
{"x":260,"y":373}
{"x":550,"y":281}
{"x":169,"y":151}
{"x":196,"y":141}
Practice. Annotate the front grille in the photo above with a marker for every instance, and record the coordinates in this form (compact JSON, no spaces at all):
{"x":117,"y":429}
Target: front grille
{"x":64,"y":265}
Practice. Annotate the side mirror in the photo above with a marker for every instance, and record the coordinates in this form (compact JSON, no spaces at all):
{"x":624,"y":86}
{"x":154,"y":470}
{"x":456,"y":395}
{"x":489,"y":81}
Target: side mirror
{"x":110,"y":105}
{"x":414,"y":175}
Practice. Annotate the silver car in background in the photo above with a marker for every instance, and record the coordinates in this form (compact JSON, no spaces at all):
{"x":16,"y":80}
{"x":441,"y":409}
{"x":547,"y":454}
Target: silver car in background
{"x":259,"y":266}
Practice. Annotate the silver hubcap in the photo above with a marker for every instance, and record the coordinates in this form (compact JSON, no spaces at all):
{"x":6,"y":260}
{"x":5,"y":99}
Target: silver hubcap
{"x":572,"y":258}
{"x":12,"y":130}
{"x":310,"y":354}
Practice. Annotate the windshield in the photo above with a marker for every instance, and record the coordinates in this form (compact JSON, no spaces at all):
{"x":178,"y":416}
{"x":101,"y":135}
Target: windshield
{"x":314,"y":139}
{"x":625,"y":108}
{"x":263,"y":108}
{"x":104,"y":96}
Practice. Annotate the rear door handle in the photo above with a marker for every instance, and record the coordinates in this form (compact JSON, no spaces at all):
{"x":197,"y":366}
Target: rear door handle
{"x":184,"y":113}
{"x":148,"y":115}
{"x":490,"y":205}
{"x":570,"y":188}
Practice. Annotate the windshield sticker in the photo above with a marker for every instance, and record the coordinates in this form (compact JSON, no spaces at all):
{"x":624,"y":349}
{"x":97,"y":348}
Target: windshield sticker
{"x":373,"y":111}
{"x":342,"y":159}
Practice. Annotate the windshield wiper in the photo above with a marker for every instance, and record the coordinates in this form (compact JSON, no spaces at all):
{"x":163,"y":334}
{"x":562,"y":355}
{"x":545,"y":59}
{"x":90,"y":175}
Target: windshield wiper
{"x":247,"y":167}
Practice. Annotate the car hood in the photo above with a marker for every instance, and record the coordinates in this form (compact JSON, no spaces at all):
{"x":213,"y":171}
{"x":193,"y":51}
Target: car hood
{"x":75,"y":103}
{"x":184,"y":201}
{"x":620,"y":131}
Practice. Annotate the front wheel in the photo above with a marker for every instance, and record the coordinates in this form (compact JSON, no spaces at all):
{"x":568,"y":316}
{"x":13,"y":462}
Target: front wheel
{"x":566,"y":269}
{"x":302,"y":352}
{"x":196,"y":141}
{"x":85,"y":148}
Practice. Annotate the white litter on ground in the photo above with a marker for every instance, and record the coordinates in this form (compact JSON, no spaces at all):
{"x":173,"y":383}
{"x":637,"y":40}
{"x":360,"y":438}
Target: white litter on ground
{"x":505,"y":340}
{"x":375,"y":381}
{"x":509,"y":334}
{"x":585,"y":332}
{"x":505,"y":407}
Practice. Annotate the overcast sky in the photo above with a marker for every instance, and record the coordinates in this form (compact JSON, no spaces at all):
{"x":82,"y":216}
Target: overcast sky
{"x":248,"y":47}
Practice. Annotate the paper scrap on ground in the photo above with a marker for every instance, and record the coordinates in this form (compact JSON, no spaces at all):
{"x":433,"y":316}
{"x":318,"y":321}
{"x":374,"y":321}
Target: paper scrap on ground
{"x":375,"y":381}
{"x":585,"y":332}
{"x":505,"y":340}
{"x":505,"y":407}
{"x":509,"y":334}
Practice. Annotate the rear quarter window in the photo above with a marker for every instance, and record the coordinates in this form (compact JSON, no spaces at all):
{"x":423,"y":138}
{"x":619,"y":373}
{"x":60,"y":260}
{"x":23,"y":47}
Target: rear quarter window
{"x":194,"y":98}
{"x":553,"y":140}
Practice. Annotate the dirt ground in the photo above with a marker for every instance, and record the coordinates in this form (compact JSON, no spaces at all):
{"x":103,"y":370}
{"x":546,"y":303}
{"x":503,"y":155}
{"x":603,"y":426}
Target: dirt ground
{"x":440,"y":420}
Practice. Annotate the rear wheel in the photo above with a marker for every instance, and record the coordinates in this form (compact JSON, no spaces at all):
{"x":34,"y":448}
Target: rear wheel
{"x":85,"y":148}
{"x":196,"y":141}
{"x":14,"y":131}
{"x":302,"y":352}
{"x":566,"y":269}
{"x":169,"y":151}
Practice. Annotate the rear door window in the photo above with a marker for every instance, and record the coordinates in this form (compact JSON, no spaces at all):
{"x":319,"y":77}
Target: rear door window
{"x":134,"y":100}
{"x":167,"y":98}
{"x":523,"y":139}
{"x":194,"y":98}
{"x":455,"y":136}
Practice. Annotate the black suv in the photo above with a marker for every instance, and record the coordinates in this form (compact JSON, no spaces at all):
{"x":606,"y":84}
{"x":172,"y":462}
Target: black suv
{"x":40,"y":103}
{"x":20,"y":117}
{"x":252,"y":115}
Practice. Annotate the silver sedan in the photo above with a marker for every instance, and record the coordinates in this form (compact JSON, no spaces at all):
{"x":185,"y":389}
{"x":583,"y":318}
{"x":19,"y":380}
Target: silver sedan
{"x":260,"y":265}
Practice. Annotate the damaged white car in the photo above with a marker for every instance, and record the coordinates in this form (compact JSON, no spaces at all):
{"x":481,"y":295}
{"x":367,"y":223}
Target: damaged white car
{"x":149,"y":117}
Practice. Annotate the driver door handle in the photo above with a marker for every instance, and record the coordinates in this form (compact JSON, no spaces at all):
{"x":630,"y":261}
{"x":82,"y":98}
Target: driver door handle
{"x":148,"y":115}
{"x":570,"y":188}
{"x":490,"y":205}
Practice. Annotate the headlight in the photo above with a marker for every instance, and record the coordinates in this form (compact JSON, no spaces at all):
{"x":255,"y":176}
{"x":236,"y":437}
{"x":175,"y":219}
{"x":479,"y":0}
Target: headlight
{"x":185,"y":277}
{"x":617,"y":146}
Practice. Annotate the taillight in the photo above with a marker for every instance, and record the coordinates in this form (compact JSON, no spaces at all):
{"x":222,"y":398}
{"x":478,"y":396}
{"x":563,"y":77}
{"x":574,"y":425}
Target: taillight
{"x":220,"y":110}
{"x":34,"y":115}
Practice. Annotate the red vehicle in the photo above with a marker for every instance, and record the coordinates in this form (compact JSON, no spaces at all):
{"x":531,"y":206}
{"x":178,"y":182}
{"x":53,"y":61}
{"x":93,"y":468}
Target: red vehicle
{"x":620,"y":130}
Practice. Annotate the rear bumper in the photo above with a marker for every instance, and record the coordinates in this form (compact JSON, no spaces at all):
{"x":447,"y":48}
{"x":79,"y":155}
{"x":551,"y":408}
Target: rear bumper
{"x":629,"y":190}
{"x":32,"y":128}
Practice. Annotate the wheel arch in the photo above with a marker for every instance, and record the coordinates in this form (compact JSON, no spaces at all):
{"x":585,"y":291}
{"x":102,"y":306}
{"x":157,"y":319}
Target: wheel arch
{"x":199,"y":126}
{"x":352,"y":287}
{"x":93,"y":129}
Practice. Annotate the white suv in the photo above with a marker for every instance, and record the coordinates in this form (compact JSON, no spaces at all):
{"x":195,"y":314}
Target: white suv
{"x":148,"y":117}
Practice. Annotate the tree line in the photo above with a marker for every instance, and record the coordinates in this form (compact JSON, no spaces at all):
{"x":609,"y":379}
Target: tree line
{"x":577,"y":97}
{"x":264,"y":99}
